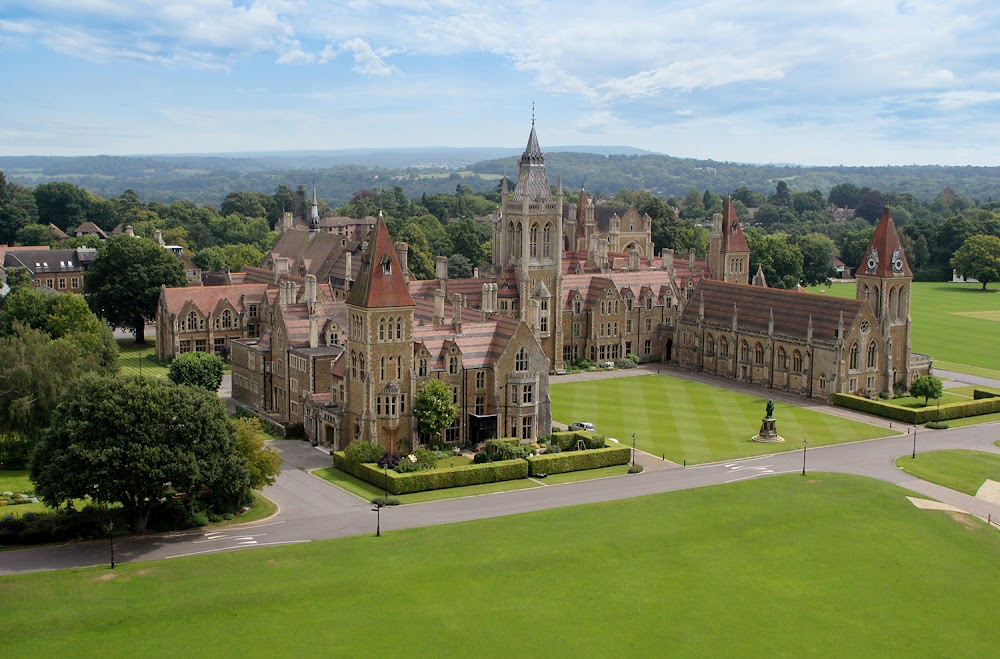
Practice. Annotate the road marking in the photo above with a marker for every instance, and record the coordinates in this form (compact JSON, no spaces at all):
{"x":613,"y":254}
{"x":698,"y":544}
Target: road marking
{"x":212,"y":537}
{"x":215,"y":551}
{"x":764,"y":473}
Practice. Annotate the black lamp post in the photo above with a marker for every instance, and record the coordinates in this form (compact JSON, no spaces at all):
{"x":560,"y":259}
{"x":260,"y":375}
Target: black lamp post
{"x":805,"y":442}
{"x":914,"y":456}
{"x":385,"y":480}
{"x":633,"y":449}
{"x":111,"y":531}
{"x":378,"y":520}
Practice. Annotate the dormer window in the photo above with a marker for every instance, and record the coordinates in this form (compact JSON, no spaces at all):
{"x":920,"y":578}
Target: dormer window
{"x":386,"y":265}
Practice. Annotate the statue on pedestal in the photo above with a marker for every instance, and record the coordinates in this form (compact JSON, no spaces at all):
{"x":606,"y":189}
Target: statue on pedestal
{"x":768,"y":433}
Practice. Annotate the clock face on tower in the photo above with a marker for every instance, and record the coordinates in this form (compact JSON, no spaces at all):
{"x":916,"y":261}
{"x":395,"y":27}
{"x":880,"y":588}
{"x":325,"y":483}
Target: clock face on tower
{"x":897,"y":261}
{"x":872,"y":260}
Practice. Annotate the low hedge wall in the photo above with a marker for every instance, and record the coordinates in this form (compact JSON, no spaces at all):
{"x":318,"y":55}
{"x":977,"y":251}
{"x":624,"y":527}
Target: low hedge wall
{"x":568,"y":438}
{"x":433,"y":479}
{"x":919,"y":416}
{"x":979,"y":394}
{"x":559,"y":463}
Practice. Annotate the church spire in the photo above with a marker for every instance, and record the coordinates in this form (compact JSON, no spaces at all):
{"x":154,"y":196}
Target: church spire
{"x":532,"y":182}
{"x":314,"y":214}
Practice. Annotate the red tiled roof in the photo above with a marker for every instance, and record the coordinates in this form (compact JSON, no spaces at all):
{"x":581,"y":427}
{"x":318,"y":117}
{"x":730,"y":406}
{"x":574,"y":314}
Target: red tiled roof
{"x":885,"y":243}
{"x":733,"y":239}
{"x":481,"y":343}
{"x":207,"y":298}
{"x":379,"y":286}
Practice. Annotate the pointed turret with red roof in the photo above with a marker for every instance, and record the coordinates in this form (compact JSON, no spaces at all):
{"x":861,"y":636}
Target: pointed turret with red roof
{"x":381,"y":282}
{"x":885,"y":256}
{"x":728,"y":252}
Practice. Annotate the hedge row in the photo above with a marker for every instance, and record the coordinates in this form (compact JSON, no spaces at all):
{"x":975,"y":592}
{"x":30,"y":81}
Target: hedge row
{"x":433,"y":479}
{"x":568,"y":438}
{"x":559,"y":463}
{"x":979,"y":394}
{"x":922,"y":415}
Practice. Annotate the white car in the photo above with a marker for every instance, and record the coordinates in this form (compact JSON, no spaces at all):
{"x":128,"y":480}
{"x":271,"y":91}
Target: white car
{"x":582,"y":425}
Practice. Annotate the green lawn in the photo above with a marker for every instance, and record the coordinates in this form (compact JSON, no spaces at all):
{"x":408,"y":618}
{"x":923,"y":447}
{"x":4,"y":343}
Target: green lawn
{"x":585,"y":475}
{"x":139,"y":359}
{"x":957,"y":324}
{"x":691,"y":421}
{"x":918,"y":403}
{"x":964,"y":471}
{"x":785,"y":566}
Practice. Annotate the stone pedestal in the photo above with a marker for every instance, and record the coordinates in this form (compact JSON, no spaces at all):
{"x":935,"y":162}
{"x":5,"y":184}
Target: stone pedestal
{"x":768,"y":433}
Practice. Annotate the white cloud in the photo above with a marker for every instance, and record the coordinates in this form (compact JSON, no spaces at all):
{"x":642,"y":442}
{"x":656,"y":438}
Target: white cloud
{"x":366,"y":60}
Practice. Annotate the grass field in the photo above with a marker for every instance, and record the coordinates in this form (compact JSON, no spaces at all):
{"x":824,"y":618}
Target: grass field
{"x":963,"y":471}
{"x":829,"y":565}
{"x":139,"y":359}
{"x":695,"y":422}
{"x":957,"y":324}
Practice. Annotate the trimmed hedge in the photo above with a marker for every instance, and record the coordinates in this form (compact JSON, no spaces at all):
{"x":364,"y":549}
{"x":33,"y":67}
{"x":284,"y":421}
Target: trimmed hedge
{"x":979,"y":394}
{"x":559,"y":463}
{"x":568,"y":438}
{"x":433,"y":479}
{"x":922,"y":415}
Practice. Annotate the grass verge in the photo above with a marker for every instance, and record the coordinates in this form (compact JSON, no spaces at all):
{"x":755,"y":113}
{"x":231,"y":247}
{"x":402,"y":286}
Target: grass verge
{"x":686,"y":420}
{"x":585,"y":475}
{"x":697,"y":566}
{"x":961,"y":470}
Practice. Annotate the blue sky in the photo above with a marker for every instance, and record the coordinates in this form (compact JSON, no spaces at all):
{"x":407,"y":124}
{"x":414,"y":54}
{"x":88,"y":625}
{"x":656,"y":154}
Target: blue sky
{"x":824,"y":82}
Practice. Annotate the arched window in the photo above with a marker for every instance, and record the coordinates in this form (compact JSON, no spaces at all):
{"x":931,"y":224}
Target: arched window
{"x":517,"y":240}
{"x":511,"y":246}
{"x":521,"y":360}
{"x":533,"y":246}
{"x":872,"y":355}
{"x":877,"y":302}
{"x":361,"y":365}
{"x":758,"y":354}
{"x":381,"y":329}
{"x":227,"y":319}
{"x":903,"y":309}
{"x":709,"y":345}
{"x":399,"y":329}
{"x":354,"y":365}
{"x":855,"y":351}
{"x":864,"y":292}
{"x":781,"y":359}
{"x":381,"y":368}
{"x":547,"y":240}
{"x":192,"y":321}
{"x":744,"y":352}
{"x":893,"y":310}
{"x":723,"y":347}
{"x":797,"y":361}
{"x":649,"y":325}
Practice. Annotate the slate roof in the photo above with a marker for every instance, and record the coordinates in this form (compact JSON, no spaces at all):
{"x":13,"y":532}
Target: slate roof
{"x":379,"y":286}
{"x":531,"y":178}
{"x":88,"y":228}
{"x":754,"y":305}
{"x":733,"y":239}
{"x":40,"y":260}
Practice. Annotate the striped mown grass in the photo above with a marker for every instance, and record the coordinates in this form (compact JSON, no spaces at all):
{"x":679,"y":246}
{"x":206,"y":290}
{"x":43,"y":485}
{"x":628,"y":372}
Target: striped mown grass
{"x":139,"y":359}
{"x":690,"y":421}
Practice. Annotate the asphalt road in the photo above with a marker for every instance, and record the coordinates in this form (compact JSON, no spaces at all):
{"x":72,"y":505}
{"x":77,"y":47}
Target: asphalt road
{"x":311,"y":509}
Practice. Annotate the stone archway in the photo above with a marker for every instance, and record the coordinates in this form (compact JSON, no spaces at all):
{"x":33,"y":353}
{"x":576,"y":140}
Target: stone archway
{"x":668,"y":351}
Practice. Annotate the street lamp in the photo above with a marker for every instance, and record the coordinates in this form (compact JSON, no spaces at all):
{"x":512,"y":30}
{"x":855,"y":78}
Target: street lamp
{"x":805,"y":442}
{"x":633,"y":449}
{"x":111,"y":532}
{"x":385,"y":480}
{"x":914,"y":456}
{"x":378,"y":519}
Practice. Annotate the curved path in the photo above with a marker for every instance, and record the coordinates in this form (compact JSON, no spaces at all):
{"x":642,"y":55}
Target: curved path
{"x":311,"y":509}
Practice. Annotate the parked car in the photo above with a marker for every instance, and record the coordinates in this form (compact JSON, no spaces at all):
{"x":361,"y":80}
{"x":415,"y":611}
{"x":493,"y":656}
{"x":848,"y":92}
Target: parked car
{"x":582,"y":425}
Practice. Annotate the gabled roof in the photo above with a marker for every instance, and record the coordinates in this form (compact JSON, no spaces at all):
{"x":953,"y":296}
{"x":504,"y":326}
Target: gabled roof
{"x":754,"y":305}
{"x":208,"y":298}
{"x":380,"y":281}
{"x":88,"y":228}
{"x":888,"y":250}
{"x":480,"y":343}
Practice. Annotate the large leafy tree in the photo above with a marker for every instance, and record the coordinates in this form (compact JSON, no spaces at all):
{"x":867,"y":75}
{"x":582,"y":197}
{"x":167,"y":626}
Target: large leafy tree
{"x":17,"y":209}
{"x":198,"y":369}
{"x":979,"y":258}
{"x":134,"y":441}
{"x":927,"y":386}
{"x":434,"y":408}
{"x":263,"y":461}
{"x":817,"y":250}
{"x":34,"y":371}
{"x":781,"y":260}
{"x":62,"y":204}
{"x":123,"y":283}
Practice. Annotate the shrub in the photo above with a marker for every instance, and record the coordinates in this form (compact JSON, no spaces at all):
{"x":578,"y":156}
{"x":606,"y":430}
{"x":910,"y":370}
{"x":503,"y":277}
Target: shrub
{"x":295,"y":431}
{"x":579,"y":460}
{"x":389,"y":460}
{"x":480,"y":458}
{"x":635,"y":469}
{"x":634,"y":358}
{"x":426,"y":459}
{"x":507,"y":448}
{"x":362,"y":452}
{"x":385,"y":501}
{"x":583,"y":363}
{"x":197,"y":369}
{"x":936,"y":425}
{"x":406,"y":466}
{"x":567,"y":440}
{"x":979,"y":394}
{"x":623,"y":363}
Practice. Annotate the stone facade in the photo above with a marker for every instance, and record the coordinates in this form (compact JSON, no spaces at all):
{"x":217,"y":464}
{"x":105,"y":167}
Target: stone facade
{"x":59,"y":269}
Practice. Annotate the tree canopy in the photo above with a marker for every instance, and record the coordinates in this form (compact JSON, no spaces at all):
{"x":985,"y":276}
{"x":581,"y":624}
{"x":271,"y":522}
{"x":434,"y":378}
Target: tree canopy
{"x":198,"y":369}
{"x":979,"y":258}
{"x":124,"y":280}
{"x":135,"y":441}
{"x":927,"y":386}
{"x":434,"y":408}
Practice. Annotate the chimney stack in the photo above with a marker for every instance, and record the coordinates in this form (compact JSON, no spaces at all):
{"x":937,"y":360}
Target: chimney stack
{"x":633,"y":260}
{"x":310,"y":292}
{"x":668,"y":259}
{"x":158,"y":237}
{"x":441,"y":268}
{"x":691,"y":259}
{"x":402,"y":255}
{"x":456,"y":314}
{"x":439,"y":307}
{"x":534,"y":309}
{"x":130,"y":231}
{"x":313,"y":331}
